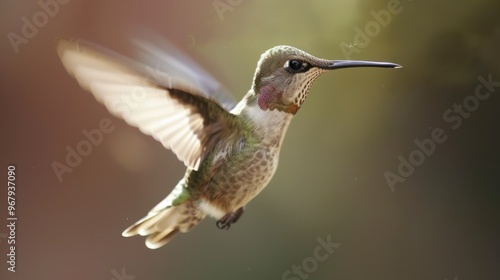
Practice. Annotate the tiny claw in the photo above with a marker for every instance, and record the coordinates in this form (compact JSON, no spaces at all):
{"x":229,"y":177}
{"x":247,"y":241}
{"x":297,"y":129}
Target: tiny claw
{"x":229,"y":219}
{"x":222,"y":225}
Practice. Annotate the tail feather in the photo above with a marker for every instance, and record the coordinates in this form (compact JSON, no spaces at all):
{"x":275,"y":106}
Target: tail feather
{"x":144,"y":226}
{"x":165,"y":220}
{"x":158,"y":239}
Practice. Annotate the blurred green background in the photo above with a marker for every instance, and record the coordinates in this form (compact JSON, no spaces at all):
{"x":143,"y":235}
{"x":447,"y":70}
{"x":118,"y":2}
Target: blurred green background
{"x":442,"y":222}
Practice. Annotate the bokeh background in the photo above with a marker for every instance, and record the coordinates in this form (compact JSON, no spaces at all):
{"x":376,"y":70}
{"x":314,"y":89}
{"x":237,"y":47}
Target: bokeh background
{"x":442,"y":222}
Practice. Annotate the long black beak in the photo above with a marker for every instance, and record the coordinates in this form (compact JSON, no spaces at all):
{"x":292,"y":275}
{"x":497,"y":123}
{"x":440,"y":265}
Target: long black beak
{"x":339,"y":64}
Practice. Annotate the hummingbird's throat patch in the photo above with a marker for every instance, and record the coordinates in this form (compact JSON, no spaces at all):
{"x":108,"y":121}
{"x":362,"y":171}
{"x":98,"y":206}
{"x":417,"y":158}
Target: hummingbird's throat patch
{"x":270,"y":99}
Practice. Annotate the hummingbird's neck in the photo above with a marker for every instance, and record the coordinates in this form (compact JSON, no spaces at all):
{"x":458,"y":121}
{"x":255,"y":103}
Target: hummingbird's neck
{"x":271,"y":125}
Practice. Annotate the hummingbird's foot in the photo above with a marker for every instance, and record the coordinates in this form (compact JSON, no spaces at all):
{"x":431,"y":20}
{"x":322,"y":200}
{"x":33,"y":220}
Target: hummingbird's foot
{"x":229,"y":219}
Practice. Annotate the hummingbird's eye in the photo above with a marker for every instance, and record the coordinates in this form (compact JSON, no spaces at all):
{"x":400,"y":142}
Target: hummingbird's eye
{"x":295,"y":65}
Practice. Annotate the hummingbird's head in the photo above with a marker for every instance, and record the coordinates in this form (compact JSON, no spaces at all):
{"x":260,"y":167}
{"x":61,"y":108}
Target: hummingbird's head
{"x":285,"y":74}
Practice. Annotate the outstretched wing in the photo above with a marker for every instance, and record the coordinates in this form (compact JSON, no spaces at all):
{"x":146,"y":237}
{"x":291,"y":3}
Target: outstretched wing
{"x":172,"y":110}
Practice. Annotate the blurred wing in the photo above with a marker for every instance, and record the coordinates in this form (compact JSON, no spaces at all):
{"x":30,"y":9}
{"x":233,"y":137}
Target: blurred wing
{"x":156,"y":51}
{"x":176,"y":114}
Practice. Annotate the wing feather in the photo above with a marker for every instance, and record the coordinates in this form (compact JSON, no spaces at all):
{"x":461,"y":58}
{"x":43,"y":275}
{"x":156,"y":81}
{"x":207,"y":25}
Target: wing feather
{"x":180,"y":117}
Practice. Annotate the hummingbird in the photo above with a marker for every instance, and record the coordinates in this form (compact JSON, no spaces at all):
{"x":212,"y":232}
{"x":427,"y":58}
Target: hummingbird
{"x":231,"y":149}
